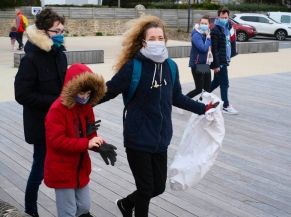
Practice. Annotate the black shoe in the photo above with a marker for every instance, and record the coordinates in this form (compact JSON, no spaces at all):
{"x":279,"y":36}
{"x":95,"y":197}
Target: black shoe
{"x":123,"y":210}
{"x":32,"y":214}
{"x":86,"y":215}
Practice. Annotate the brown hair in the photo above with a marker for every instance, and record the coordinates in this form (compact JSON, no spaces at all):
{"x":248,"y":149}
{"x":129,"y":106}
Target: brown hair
{"x":223,"y":10}
{"x":13,"y":29}
{"x":46,"y":18}
{"x":205,"y":17}
{"x":134,"y":36}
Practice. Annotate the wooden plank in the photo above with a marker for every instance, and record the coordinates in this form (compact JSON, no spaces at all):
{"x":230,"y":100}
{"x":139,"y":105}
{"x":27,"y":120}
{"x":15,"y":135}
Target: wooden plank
{"x":250,"y":177}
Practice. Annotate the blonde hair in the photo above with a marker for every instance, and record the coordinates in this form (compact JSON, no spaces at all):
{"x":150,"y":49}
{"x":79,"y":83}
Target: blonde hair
{"x":134,"y":36}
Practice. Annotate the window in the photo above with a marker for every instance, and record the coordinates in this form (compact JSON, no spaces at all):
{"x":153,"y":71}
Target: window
{"x":263,"y":20}
{"x":249,"y":18}
{"x":285,"y":19}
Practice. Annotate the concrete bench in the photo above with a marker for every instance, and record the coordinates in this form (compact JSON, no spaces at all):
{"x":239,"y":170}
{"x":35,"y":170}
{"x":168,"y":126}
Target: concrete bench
{"x":242,"y":48}
{"x":77,"y":56}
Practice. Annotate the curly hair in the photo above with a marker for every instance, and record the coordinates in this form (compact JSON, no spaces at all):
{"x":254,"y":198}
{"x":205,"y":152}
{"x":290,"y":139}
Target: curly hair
{"x":46,"y":18}
{"x":134,"y":36}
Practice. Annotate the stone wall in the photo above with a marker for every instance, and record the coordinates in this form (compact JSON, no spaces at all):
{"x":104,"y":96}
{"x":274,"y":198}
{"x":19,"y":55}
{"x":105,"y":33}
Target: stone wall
{"x":108,"y":21}
{"x":81,"y":27}
{"x":93,"y":27}
{"x":77,"y":27}
{"x":5,"y":26}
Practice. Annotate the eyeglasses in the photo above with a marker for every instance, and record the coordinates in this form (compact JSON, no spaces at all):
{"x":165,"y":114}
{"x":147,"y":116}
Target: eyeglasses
{"x":57,"y":31}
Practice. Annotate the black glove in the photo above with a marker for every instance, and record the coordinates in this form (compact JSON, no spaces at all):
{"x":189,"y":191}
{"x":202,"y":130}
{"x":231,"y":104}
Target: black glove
{"x":107,"y":151}
{"x":92,"y":127}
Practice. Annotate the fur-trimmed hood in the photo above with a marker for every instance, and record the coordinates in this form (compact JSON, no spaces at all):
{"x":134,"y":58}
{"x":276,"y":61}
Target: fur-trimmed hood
{"x":79,"y":78}
{"x":39,"y":38}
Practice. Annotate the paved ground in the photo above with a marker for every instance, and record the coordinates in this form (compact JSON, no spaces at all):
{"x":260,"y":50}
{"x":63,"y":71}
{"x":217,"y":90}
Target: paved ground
{"x":243,"y":65}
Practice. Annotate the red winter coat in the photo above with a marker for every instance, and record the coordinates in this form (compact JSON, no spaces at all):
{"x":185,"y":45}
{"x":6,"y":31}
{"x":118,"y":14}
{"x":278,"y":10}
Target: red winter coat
{"x":67,"y":162}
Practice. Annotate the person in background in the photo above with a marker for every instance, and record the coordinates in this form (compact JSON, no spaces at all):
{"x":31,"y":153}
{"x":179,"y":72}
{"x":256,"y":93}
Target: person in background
{"x":201,"y":43}
{"x":20,"y":28}
{"x":13,"y":36}
{"x":222,"y":49}
{"x":38,"y":83}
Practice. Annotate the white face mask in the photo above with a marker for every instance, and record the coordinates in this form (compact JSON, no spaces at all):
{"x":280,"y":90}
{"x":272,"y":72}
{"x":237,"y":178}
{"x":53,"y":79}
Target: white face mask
{"x":155,"y":50}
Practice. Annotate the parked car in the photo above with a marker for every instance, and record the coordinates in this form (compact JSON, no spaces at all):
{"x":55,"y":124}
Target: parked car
{"x":281,"y":17}
{"x":264,"y":25}
{"x":243,"y":32}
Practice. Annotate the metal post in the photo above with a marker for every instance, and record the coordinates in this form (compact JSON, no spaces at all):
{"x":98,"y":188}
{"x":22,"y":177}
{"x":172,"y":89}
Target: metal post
{"x":188,"y":26}
{"x":118,"y":4}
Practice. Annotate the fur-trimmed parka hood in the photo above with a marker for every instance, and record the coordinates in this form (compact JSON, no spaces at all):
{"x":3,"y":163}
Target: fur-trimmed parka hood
{"x":79,"y":77}
{"x":39,"y":38}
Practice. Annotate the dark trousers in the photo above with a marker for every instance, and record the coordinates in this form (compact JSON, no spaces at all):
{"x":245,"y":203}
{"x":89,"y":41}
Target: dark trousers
{"x":19,"y":37}
{"x":221,"y":79}
{"x":34,"y":180}
{"x":202,"y":82}
{"x":150,"y":173}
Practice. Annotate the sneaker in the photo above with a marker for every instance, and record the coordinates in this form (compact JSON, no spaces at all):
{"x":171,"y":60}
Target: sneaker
{"x":122,"y":210}
{"x":230,"y":110}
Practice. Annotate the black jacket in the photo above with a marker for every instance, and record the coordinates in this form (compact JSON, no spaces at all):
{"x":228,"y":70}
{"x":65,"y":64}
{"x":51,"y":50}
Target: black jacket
{"x":148,"y":121}
{"x":38,"y":82}
{"x":218,"y":47}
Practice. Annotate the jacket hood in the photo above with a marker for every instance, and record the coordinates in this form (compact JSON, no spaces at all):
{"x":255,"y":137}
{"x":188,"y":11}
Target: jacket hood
{"x":39,"y":38}
{"x":80,"y":78}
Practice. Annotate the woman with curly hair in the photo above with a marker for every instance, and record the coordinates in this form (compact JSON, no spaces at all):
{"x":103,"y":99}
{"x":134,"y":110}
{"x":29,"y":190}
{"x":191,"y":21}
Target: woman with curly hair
{"x":38,"y":83}
{"x":147,"y":115}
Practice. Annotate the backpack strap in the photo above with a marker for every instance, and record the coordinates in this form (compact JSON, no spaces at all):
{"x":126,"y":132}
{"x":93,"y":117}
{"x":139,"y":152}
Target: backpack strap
{"x":136,"y":74}
{"x":173,"y":69}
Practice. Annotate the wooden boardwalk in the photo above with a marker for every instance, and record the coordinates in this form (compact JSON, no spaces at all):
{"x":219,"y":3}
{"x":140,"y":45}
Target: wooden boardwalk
{"x":251,"y":176}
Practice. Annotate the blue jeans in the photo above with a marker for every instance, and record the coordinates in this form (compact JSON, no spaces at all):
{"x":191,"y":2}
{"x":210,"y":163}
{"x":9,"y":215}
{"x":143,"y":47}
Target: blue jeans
{"x":221,"y":79}
{"x":73,"y":202}
{"x":34,"y":180}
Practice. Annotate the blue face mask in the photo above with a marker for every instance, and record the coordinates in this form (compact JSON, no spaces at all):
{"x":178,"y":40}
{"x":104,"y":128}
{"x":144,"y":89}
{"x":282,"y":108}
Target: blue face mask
{"x":203,"y":28}
{"x":82,"y":101}
{"x":58,"y":39}
{"x":222,"y":21}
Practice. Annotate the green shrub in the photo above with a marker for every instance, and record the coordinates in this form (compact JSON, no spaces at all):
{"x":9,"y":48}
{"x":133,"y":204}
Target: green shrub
{"x":12,"y":4}
{"x":99,"y":33}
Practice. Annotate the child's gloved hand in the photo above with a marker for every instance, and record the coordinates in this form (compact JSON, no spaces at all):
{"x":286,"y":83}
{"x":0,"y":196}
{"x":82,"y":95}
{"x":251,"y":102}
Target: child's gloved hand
{"x":92,"y":127}
{"x":210,"y":106}
{"x":107,"y":152}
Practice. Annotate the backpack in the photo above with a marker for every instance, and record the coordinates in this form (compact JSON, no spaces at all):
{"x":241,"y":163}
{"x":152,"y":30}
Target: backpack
{"x":136,"y":74}
{"x":25,"y":21}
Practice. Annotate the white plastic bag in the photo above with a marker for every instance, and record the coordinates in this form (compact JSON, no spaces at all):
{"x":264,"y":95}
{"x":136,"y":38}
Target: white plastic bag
{"x":199,"y":146}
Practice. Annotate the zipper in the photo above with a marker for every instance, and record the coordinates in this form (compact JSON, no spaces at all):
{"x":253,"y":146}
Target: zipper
{"x":161,"y":124}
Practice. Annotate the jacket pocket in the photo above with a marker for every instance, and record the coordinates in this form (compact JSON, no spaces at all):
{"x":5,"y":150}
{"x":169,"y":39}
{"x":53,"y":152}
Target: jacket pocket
{"x":133,"y":122}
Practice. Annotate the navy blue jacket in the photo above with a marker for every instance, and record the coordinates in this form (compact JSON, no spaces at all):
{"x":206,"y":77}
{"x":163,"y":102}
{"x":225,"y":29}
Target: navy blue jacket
{"x":218,"y":47}
{"x":148,"y":122}
{"x":199,"y":48}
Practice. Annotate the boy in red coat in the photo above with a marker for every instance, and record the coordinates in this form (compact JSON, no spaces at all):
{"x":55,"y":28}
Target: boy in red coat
{"x":67,"y":163}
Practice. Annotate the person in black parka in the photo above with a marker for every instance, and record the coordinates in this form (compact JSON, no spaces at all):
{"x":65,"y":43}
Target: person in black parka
{"x":38,"y":83}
